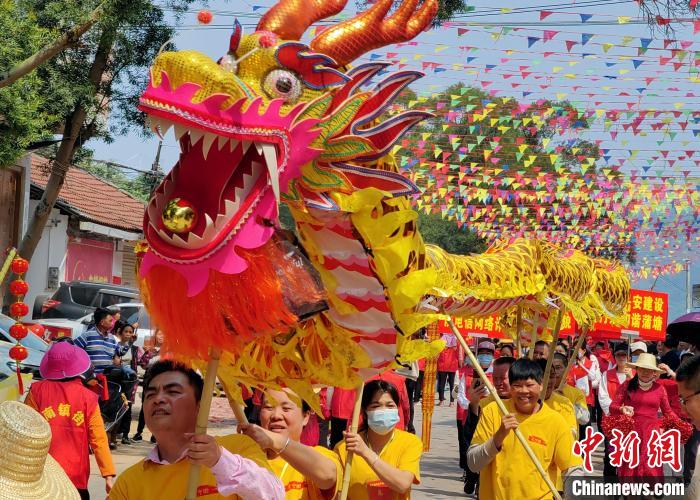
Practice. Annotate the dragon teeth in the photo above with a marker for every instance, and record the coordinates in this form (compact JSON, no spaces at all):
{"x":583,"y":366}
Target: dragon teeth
{"x":206,"y":145}
{"x":195,"y":136}
{"x":270,"y":155}
{"x":246,"y":146}
{"x":180,"y":130}
{"x":221,"y":143}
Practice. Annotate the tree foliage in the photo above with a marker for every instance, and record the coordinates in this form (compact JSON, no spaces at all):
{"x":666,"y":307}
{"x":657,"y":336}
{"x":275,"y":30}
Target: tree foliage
{"x":23,"y":112}
{"x":446,"y":234}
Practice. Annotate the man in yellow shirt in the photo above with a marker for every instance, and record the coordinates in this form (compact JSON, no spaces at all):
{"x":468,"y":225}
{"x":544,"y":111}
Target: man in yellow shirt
{"x":506,"y":470}
{"x":232,"y":466}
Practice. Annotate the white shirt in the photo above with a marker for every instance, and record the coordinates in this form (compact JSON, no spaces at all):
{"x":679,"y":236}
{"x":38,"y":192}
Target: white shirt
{"x":603,"y":395}
{"x":693,"y":490}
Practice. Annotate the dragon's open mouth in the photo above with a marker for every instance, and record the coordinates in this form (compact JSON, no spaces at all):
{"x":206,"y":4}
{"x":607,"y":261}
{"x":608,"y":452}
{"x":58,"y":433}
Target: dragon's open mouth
{"x":216,"y":186}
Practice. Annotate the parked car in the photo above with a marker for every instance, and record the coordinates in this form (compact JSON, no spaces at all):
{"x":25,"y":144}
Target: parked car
{"x":36,"y":348}
{"x":76,"y":299}
{"x":131,"y":312}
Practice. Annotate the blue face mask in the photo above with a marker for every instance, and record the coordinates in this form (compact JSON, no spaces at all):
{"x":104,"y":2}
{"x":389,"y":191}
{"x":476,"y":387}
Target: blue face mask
{"x":485,"y":360}
{"x":383,"y":421}
{"x":635,"y":358}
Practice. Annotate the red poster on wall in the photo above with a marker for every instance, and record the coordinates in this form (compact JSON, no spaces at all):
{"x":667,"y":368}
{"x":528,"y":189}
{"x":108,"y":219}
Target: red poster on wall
{"x":646,"y":316}
{"x":89,"y":260}
{"x":484,"y":327}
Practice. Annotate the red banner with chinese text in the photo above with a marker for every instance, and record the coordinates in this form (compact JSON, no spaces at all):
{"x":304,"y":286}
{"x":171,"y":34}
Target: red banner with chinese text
{"x":646,"y":315}
{"x":489,"y":326}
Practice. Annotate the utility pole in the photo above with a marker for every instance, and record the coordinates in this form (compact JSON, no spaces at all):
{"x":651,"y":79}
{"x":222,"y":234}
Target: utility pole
{"x":156,"y":173}
{"x":688,"y":288}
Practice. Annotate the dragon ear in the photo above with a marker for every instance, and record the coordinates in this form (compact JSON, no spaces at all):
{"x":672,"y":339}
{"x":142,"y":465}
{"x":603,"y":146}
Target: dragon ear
{"x":235,"y":37}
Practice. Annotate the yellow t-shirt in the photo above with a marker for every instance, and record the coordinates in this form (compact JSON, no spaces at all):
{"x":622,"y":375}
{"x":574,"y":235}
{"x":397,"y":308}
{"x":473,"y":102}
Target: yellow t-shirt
{"x":575,"y":395}
{"x":150,"y":481}
{"x":296,"y":486}
{"x":511,"y":474}
{"x":403,"y":451}
{"x":563,"y":407}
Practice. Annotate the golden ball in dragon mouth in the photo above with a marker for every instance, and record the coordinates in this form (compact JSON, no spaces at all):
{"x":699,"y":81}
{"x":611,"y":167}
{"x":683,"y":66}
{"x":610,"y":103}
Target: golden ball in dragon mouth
{"x":179,"y":216}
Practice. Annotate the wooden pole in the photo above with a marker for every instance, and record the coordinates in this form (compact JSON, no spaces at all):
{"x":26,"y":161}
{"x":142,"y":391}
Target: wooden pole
{"x":550,"y":356}
{"x":353,"y":428}
{"x":572,"y":358}
{"x":518,"y":328}
{"x":504,"y":411}
{"x":235,"y":406}
{"x":203,"y":415}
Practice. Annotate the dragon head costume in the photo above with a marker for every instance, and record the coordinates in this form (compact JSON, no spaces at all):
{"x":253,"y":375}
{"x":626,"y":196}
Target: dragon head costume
{"x":276,"y":120}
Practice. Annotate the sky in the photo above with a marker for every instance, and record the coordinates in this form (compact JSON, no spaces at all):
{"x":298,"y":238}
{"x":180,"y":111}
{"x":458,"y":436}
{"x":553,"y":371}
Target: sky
{"x":587,"y":52}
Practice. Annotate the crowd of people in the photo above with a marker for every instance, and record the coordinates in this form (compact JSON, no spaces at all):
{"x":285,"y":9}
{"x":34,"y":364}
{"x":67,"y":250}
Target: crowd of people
{"x":288,"y":451}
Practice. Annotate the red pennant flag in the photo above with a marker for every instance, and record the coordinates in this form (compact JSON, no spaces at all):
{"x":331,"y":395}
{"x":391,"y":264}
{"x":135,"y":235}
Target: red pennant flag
{"x":544,"y":14}
{"x":570,"y":44}
{"x":696,"y":26}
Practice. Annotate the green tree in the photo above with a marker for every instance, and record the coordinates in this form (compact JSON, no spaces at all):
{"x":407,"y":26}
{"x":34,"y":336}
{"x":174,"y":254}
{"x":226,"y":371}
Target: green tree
{"x":446,"y":234}
{"x":23,"y":114}
{"x":92,"y":87}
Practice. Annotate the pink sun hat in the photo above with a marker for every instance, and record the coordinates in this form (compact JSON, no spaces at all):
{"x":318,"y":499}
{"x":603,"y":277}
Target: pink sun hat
{"x":63,"y":360}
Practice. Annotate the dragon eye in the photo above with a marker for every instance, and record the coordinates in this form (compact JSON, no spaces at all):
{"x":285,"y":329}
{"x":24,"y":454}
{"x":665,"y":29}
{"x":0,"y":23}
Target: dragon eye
{"x":280,"y":83}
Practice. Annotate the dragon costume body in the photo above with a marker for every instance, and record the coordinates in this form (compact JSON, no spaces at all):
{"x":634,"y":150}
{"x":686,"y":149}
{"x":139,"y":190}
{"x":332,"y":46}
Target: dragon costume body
{"x":279,"y":121}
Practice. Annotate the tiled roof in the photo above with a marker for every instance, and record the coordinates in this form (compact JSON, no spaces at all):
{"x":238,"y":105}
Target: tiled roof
{"x":94,"y":199}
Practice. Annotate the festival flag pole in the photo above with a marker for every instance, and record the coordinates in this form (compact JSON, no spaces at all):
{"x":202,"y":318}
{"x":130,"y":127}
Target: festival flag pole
{"x":533,"y":341}
{"x":203,"y":415}
{"x":550,"y":356}
{"x":572,"y":358}
{"x":353,"y":428}
{"x":504,"y":411}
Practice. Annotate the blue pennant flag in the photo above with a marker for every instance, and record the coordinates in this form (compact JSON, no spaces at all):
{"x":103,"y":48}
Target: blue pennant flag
{"x":532,"y":40}
{"x":585,"y":38}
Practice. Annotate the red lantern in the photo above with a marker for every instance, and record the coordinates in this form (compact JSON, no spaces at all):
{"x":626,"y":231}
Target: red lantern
{"x":18,"y":331}
{"x":19,"y":309}
{"x":19,"y":287}
{"x":37,"y":329}
{"x":204,"y":16}
{"x":18,"y":352}
{"x":19,"y":265}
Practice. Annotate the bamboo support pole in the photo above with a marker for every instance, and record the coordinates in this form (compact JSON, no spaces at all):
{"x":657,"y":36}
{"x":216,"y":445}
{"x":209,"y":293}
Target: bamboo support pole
{"x":533,"y":341}
{"x":6,"y":265}
{"x":353,"y":428}
{"x":504,"y":411}
{"x":518,"y":328}
{"x":550,"y":356}
{"x":203,"y":416}
{"x":572,"y":358}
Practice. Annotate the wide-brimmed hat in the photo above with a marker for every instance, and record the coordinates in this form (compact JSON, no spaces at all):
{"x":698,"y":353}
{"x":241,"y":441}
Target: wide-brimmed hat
{"x":63,"y":360}
{"x":647,"y":361}
{"x":27,"y":471}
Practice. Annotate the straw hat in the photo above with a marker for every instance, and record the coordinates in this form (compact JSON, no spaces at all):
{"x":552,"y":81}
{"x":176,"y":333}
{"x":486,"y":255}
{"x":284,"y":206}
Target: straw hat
{"x":63,"y":360}
{"x":647,"y":361}
{"x":27,"y":471}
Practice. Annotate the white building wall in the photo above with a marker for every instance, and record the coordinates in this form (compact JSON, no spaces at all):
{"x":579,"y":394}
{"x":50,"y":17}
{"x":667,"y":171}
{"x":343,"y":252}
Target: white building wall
{"x":50,"y":252}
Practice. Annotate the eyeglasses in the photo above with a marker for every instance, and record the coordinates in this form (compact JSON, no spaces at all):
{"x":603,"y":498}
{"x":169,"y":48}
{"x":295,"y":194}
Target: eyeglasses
{"x":684,"y":401}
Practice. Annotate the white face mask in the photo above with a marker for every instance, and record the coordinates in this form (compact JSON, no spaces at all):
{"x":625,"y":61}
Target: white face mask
{"x":646,"y":385}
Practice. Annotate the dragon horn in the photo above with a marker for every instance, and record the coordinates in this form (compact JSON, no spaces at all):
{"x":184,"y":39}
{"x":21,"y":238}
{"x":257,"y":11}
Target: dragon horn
{"x":370,"y":30}
{"x":288,"y":19}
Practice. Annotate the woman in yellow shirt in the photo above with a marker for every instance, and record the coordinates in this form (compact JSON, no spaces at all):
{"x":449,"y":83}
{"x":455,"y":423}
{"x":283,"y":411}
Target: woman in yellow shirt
{"x":308,"y":473}
{"x":387,"y":460}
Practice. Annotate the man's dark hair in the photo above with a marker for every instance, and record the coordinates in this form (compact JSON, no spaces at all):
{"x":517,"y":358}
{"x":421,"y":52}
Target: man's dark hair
{"x":599,"y":343}
{"x":671,"y":342}
{"x":100,"y":314}
{"x":168,"y":365}
{"x":525,"y":369}
{"x":541,"y":342}
{"x":504,"y":360}
{"x":689,"y":372}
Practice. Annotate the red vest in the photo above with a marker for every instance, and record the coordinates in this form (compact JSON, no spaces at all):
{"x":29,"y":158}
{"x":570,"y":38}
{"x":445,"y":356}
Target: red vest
{"x":613,"y":383}
{"x":578,"y":373}
{"x":67,"y":407}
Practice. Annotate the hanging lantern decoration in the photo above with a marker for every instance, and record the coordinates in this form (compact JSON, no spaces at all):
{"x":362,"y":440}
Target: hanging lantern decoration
{"x":18,"y":309}
{"x":204,"y":16}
